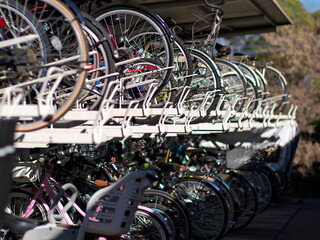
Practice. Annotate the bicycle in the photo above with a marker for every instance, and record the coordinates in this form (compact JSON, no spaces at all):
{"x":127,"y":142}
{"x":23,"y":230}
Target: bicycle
{"x":35,"y":205}
{"x":106,"y":163}
{"x":48,"y":75}
{"x":96,"y":221}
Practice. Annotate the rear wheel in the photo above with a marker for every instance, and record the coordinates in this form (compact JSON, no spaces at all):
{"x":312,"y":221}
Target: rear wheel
{"x":18,"y":203}
{"x":247,"y":198}
{"x":147,"y":226}
{"x":277,"y":87}
{"x":234,"y":83}
{"x":205,"y":86}
{"x":205,"y":204}
{"x":138,"y":32}
{"x":51,"y":61}
{"x":170,"y":205}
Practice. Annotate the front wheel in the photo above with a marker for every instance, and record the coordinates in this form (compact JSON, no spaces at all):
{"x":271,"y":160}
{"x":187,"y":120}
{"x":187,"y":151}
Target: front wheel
{"x":19,"y":204}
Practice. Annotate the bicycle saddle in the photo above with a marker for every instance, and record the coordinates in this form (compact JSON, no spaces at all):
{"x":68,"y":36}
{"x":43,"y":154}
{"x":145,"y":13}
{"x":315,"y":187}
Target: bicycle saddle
{"x":18,"y":225}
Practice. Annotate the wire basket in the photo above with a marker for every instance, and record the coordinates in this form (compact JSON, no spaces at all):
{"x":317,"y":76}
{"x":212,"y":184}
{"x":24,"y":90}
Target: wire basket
{"x":247,"y":159}
{"x":26,"y":172}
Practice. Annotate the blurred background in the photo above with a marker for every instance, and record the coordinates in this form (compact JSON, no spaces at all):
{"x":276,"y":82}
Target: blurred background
{"x":295,"y":50}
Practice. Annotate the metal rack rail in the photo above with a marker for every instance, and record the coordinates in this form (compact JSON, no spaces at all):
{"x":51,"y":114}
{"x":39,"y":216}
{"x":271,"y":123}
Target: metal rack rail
{"x":114,"y":122}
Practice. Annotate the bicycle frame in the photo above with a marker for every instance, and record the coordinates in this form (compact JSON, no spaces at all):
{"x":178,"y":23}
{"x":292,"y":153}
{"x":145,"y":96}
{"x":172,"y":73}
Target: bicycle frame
{"x":46,"y":186}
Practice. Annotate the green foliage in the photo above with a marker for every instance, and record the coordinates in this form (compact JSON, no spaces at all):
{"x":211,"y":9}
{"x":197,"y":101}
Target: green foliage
{"x":297,"y":12}
{"x":317,"y":87}
{"x":316,"y":15}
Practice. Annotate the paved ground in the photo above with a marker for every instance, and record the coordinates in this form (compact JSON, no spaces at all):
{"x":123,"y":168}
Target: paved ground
{"x":286,"y":219}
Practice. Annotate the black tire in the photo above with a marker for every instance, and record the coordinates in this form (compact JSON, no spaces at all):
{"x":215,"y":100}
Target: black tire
{"x":278,"y":182}
{"x":183,"y":63}
{"x":175,"y":209}
{"x":252,"y":96}
{"x":247,"y":197}
{"x":100,"y":44}
{"x":138,"y":31}
{"x":205,"y":204}
{"x":206,"y":80}
{"x":147,"y":226}
{"x":277,"y":87}
{"x":262,"y":186}
{"x":232,"y":201}
{"x":93,"y":93}
{"x":19,"y":200}
{"x":234,"y":84}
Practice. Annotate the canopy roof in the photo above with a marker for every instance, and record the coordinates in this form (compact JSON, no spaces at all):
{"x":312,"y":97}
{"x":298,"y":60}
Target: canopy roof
{"x":240,"y":16}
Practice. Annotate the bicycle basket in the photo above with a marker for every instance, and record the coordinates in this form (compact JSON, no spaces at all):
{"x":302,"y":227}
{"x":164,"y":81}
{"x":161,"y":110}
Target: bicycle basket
{"x":25,"y":172}
{"x":246,"y":159}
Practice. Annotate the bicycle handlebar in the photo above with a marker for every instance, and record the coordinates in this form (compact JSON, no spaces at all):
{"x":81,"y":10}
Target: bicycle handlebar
{"x":215,"y":5}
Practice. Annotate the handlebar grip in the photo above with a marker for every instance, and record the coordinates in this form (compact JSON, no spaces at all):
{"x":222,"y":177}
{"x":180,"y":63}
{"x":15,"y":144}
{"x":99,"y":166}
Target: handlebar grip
{"x":215,"y":5}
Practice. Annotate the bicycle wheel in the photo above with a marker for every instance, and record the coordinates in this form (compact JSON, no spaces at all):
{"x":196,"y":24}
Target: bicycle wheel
{"x":147,"y":226}
{"x":252,"y":97}
{"x":50,"y":56}
{"x":183,"y":66}
{"x":139,"y":79}
{"x":234,"y":83}
{"x":138,"y":32}
{"x":182,"y":75}
{"x":278,"y":181}
{"x":170,"y":205}
{"x":257,"y":79}
{"x":247,"y":198}
{"x":206,"y":206}
{"x":232,"y":201}
{"x":168,"y":220}
{"x":101,"y":64}
{"x":205,"y":84}
{"x":263,"y":92}
{"x":277,"y":87}
{"x":18,"y":203}
{"x":262,"y":186}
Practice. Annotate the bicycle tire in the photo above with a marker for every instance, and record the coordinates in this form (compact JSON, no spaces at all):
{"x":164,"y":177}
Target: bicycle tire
{"x":258,"y":80}
{"x":147,"y":226}
{"x":205,"y":204}
{"x":255,"y":85}
{"x":247,"y":198}
{"x":103,"y":59}
{"x":39,"y":213}
{"x":232,"y":201}
{"x":262,"y":186}
{"x":100,"y":57}
{"x":182,"y":75}
{"x":59,"y":96}
{"x":278,"y":182}
{"x":168,"y":220}
{"x":175,"y":209}
{"x":234,"y":85}
{"x":263,"y":92}
{"x":252,"y":96}
{"x":206,"y":80}
{"x":183,"y":66}
{"x":277,"y":86}
{"x":133,"y":39}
